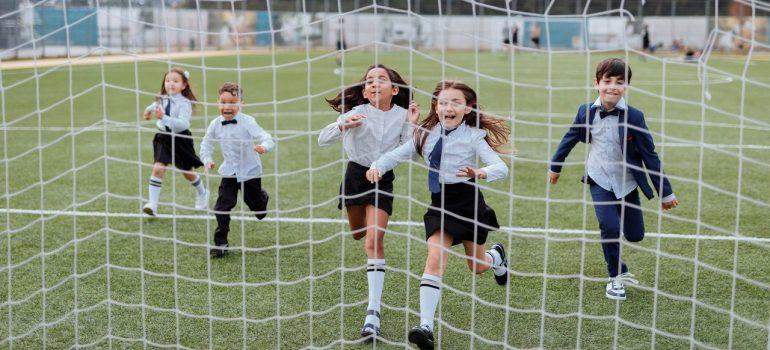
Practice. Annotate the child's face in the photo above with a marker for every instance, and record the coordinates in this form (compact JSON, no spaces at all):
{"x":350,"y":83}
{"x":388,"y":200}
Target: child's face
{"x":378,"y":88}
{"x":229,"y":105}
{"x":611,"y":90}
{"x":174,"y":83}
{"x":451,"y":107}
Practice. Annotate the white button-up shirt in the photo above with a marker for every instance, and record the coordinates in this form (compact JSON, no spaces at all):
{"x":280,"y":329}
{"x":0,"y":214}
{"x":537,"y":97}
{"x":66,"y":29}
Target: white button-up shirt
{"x":460,"y":149}
{"x":237,"y":144}
{"x":179,"y":118}
{"x":380,"y":132}
{"x":605,"y":164}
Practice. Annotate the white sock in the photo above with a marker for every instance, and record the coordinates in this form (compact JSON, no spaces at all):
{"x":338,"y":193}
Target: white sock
{"x":375,"y":275}
{"x":198,"y":184}
{"x":497,"y":262}
{"x":155,"y":185}
{"x":430,"y":290}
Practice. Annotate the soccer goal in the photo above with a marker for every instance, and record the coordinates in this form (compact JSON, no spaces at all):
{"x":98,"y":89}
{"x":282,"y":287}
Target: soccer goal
{"x":84,"y":267}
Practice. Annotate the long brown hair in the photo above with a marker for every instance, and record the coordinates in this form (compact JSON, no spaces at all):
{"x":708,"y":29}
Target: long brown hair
{"x":353,"y":96}
{"x":186,"y":92}
{"x":498,"y":132}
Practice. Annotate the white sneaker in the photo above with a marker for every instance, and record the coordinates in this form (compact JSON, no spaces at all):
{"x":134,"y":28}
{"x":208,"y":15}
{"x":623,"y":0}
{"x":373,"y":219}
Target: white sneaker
{"x":202,"y":201}
{"x":615,"y":289}
{"x":150,"y":209}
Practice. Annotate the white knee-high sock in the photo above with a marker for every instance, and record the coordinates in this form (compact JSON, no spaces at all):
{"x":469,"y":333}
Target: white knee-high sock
{"x":198,"y":184}
{"x":375,"y":275}
{"x":155,"y":185}
{"x":430,"y":290}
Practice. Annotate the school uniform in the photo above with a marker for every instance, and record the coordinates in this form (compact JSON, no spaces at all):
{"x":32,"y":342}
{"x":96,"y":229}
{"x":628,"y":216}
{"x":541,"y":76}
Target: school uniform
{"x":174,"y":143}
{"x":622,"y":153}
{"x":241,"y":168}
{"x":381,"y":132}
{"x":457,"y":206}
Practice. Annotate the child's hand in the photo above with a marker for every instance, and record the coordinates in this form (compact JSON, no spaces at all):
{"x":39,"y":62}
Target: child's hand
{"x":259,"y":149}
{"x":553,"y":177}
{"x":670,"y":205}
{"x":209,"y":165}
{"x":352,"y":121}
{"x":373,"y":175}
{"x":158,"y":113}
{"x":414,"y":112}
{"x":147,"y":115}
{"x":471,"y":172}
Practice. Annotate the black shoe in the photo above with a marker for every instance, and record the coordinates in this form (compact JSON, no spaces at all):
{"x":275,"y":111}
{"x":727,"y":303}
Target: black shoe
{"x":421,"y":336}
{"x":218,"y":251}
{"x":262,"y":210}
{"x":371,"y":331}
{"x":502,"y":279}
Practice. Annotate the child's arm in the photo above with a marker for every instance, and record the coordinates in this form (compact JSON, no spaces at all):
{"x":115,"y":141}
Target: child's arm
{"x":568,"y":142}
{"x":182,"y":121}
{"x":389,"y":161}
{"x":412,"y":117}
{"x":495,"y":168}
{"x":264,"y":141}
{"x":333,"y":132}
{"x":150,"y":109}
{"x":642,"y":139}
{"x":207,"y":146}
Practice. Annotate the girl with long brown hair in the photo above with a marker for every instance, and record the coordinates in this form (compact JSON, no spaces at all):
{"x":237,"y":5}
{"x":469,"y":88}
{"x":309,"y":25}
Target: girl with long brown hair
{"x":376,"y":118}
{"x":450,"y":139}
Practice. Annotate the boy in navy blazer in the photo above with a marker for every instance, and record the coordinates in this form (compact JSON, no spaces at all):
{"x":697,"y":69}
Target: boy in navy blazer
{"x":622,"y":153}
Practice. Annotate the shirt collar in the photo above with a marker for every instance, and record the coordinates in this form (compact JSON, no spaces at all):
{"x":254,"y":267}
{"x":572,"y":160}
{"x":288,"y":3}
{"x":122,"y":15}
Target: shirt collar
{"x":621,"y":104}
{"x":234,"y":117}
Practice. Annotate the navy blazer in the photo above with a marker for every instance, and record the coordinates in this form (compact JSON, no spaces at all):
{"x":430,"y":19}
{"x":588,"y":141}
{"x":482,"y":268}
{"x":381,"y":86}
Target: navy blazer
{"x":639,"y":147}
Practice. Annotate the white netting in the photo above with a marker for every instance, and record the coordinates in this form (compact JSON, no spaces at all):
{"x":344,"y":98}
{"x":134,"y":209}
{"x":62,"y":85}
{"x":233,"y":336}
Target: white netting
{"x":85,"y":268}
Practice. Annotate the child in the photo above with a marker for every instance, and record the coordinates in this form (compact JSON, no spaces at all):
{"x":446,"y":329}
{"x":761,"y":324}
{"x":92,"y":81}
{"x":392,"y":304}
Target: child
{"x":620,"y":145}
{"x":450,"y":139}
{"x":374,"y":121}
{"x":174,"y":144}
{"x":241,"y":168}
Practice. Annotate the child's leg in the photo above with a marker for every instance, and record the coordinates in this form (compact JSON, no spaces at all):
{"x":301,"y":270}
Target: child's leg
{"x":478,"y":258}
{"x":633,"y":220}
{"x":608,"y":213}
{"x":228,"y":195}
{"x":255,"y":198}
{"x":156,"y":181}
{"x":439,"y":245}
{"x":377,"y":221}
{"x":357,"y":220}
{"x":195,"y":181}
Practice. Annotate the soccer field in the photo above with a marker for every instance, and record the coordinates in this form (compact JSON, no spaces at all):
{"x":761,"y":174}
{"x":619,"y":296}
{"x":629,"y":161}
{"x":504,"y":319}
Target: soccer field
{"x":83,"y":267}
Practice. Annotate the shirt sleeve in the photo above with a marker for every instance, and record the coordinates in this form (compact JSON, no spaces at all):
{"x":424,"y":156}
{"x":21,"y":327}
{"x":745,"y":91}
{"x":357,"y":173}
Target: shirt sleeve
{"x":260,"y":135}
{"x":331,"y":133}
{"x":207,"y":145}
{"x":150,"y":108}
{"x":389,"y":160}
{"x":407,"y":132}
{"x":182,"y":121}
{"x":495,"y":168}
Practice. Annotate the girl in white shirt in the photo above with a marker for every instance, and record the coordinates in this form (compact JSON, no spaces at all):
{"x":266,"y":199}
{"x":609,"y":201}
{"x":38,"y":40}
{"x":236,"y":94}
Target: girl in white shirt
{"x":450,"y":139}
{"x":173,"y":143}
{"x":375,"y":120}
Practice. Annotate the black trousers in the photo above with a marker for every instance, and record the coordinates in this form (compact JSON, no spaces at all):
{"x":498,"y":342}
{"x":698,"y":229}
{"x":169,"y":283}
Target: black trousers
{"x":253,"y":195}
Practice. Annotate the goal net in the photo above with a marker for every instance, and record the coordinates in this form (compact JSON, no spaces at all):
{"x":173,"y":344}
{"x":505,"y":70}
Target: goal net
{"x":83,"y":267}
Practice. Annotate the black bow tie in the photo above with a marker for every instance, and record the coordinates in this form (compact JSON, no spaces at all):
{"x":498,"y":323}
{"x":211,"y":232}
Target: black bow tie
{"x":615,"y":112}
{"x":231,"y":121}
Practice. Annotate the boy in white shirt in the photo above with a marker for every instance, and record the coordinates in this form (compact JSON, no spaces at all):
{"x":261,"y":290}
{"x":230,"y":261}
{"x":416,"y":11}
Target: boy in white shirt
{"x":241,"y":169}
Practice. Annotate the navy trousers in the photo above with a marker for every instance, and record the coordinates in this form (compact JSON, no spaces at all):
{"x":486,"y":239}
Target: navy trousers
{"x":611,"y":212}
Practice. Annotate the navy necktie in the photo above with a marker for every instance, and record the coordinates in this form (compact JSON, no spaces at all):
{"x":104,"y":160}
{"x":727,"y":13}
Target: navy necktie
{"x":231,"y":121}
{"x":435,"y":162}
{"x":615,"y":112}
{"x":168,"y":108}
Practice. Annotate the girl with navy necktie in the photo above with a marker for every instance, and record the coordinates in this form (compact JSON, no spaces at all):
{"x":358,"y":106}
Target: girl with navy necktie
{"x":450,"y":139}
{"x":173,"y":143}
